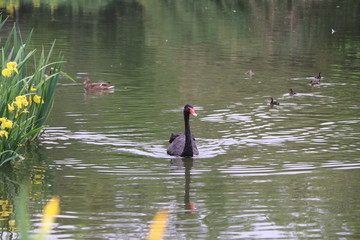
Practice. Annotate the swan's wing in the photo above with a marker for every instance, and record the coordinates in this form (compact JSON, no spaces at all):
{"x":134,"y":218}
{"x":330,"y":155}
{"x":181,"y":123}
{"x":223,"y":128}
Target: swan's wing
{"x":177,"y":145}
{"x":173,"y":136}
{"x":195,"y":149}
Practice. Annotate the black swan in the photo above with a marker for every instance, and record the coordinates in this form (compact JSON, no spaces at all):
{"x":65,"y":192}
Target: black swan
{"x":272,"y":102}
{"x":183,"y":144}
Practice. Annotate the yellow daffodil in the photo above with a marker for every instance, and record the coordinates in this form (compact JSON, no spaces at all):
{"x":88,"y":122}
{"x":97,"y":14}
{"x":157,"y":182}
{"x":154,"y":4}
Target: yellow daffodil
{"x":37,"y":99}
{"x":6,"y":124}
{"x":4,"y":133}
{"x":11,"y":107}
{"x":12,"y":66}
{"x":32,"y":89}
{"x":6,"y":72}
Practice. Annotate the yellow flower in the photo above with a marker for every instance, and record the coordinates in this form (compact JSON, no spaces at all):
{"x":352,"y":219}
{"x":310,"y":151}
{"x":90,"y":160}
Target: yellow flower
{"x":6,"y":72}
{"x":25,"y":111}
{"x":12,"y":66}
{"x":51,"y":209}
{"x":11,"y":107}
{"x":32,"y":89}
{"x":6,"y":124}
{"x":4,"y":133}
{"x":20,"y":101}
{"x":37,"y":99}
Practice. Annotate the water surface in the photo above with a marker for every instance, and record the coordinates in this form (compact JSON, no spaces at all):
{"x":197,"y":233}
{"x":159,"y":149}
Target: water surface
{"x":264,"y":172}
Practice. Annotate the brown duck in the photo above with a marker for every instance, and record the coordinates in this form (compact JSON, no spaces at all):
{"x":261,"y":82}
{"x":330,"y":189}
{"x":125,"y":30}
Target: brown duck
{"x":88,"y":85}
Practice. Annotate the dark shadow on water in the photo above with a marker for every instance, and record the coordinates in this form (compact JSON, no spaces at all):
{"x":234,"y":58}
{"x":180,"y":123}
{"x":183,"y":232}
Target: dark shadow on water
{"x":187,"y":164}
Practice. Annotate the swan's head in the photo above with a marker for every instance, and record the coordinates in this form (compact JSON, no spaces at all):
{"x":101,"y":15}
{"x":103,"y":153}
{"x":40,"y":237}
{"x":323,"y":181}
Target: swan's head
{"x":190,"y":109}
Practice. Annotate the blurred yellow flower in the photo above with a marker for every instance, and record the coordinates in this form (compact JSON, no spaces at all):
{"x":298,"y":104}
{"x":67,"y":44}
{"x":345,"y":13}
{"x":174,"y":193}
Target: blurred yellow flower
{"x":12,"y":66}
{"x":6,"y":123}
{"x":4,"y":133}
{"x":11,"y":107}
{"x":37,"y":99}
{"x":25,"y":111}
{"x":158,"y":225}
{"x":20,"y":101}
{"x":6,"y":72}
{"x":51,"y":209}
{"x":32,"y":89}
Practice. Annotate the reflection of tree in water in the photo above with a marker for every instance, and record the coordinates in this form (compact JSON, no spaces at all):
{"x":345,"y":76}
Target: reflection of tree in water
{"x":32,"y":175}
{"x":8,"y":192}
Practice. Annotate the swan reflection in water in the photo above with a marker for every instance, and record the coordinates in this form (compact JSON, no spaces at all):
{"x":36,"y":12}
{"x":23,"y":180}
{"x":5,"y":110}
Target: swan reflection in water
{"x":187,"y":163}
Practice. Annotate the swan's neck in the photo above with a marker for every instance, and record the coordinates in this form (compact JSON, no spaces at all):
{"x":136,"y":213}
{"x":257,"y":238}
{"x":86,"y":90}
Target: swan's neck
{"x":188,"y":150}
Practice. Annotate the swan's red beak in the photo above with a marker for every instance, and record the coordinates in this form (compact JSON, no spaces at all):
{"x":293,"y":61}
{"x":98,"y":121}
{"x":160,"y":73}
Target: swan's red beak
{"x":192,"y":112}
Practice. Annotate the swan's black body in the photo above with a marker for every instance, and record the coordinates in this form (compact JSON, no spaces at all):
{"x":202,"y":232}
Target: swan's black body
{"x":183,"y":144}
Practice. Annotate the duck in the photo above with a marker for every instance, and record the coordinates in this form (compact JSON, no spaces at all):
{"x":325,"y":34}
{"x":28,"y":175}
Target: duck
{"x":318,"y":77}
{"x":250,"y":72}
{"x":273,"y":102}
{"x":88,"y":85}
{"x":292,"y":92}
{"x":313,"y":83}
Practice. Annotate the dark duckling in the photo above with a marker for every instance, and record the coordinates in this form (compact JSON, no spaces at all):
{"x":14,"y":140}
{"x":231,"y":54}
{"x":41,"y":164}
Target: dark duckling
{"x":313,"y":83}
{"x":318,"y":77}
{"x":250,"y":73}
{"x":292,"y":92}
{"x":273,"y":102}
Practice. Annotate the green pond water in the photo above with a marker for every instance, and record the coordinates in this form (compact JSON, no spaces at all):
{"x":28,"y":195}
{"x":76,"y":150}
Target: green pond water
{"x":264,"y":172}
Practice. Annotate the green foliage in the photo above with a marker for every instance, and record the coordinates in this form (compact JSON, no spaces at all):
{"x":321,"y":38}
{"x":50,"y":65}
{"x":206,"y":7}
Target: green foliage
{"x":27,"y":88}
